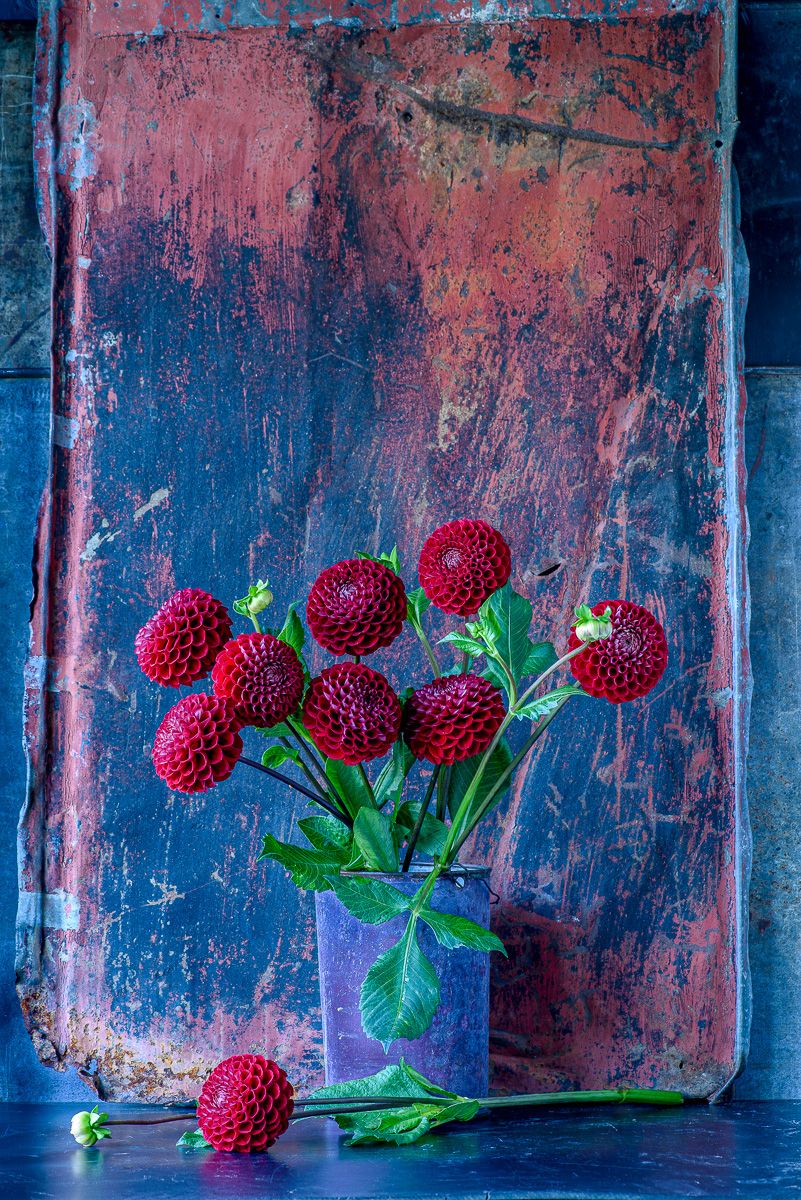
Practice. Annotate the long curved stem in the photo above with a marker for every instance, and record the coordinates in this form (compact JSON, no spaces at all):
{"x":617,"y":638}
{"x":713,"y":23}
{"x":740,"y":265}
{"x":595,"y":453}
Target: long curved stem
{"x":421,"y":816}
{"x":298,"y":787}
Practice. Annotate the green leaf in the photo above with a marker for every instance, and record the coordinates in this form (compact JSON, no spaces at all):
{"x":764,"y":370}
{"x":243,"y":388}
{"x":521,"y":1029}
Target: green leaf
{"x":507,"y":615}
{"x":462,"y":776}
{"x":401,"y":1125}
{"x":309,"y":868}
{"x":292,"y":631}
{"x":326,"y":832}
{"x":418,"y":603}
{"x":370,"y":900}
{"x":535,"y":710}
{"x":390,"y":560}
{"x":193,"y":1139}
{"x":455,"y":932}
{"x":348,"y":783}
{"x":540,"y":657}
{"x":400,"y":993}
{"x":275,"y":756}
{"x":397,"y":1080}
{"x":389,"y":784}
{"x":466,"y":644}
{"x":374,"y":838}
{"x":432,"y":833}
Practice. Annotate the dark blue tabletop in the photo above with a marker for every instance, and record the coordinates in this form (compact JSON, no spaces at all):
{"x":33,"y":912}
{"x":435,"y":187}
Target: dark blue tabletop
{"x":751,"y":1150}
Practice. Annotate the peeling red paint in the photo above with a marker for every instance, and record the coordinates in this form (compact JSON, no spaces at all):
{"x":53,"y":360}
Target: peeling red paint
{"x":325,"y":287}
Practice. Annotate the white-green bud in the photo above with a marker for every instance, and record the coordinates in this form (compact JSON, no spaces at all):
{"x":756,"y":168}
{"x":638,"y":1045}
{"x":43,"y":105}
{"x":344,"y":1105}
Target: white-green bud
{"x":592,"y":628}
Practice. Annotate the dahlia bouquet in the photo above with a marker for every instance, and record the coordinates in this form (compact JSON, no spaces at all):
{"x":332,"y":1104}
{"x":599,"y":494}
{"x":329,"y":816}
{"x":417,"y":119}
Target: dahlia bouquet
{"x":485,"y":675}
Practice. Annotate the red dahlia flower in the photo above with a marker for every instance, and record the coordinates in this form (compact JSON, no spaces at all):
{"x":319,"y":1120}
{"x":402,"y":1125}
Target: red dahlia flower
{"x":180,"y":642}
{"x":352,"y":713}
{"x":356,"y":606}
{"x":198,"y":743}
{"x":452,"y":718}
{"x":262,"y":675}
{"x":462,"y":564}
{"x":628,"y":663}
{"x":245,"y":1104}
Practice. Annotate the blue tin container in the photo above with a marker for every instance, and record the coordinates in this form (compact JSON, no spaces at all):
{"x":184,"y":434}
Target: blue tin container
{"x":454,"y":1050}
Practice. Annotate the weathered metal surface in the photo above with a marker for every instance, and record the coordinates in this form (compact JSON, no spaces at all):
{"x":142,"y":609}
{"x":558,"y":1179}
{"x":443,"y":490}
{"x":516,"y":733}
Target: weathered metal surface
{"x":768,"y":160}
{"x":319,"y":287}
{"x":773,"y":442}
{"x":24,"y":267}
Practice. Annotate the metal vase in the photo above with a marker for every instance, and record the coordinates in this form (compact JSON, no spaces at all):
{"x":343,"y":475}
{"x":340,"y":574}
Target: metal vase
{"x":454,"y":1050}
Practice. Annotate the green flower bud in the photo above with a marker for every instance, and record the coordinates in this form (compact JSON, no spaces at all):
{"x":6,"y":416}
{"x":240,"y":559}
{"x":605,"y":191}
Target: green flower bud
{"x":590,"y":628}
{"x":259,"y":598}
{"x":88,"y":1127}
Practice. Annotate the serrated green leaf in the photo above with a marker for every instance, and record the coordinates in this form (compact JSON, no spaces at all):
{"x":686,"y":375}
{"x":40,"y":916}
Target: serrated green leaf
{"x":370,"y":900}
{"x":508,"y":615}
{"x":348,"y":783}
{"x":275,"y":756}
{"x":433,"y":832}
{"x":400,"y":993}
{"x":374,"y":838}
{"x":397,"y":1080}
{"x":193,"y":1139}
{"x":292,"y":631}
{"x":455,"y":932}
{"x":389,"y":784}
{"x":324,"y":832}
{"x":466,"y":644}
{"x":418,"y":604}
{"x":401,"y":1126}
{"x":535,"y":710}
{"x":309,"y":869}
{"x":462,"y":776}
{"x":540,"y":657}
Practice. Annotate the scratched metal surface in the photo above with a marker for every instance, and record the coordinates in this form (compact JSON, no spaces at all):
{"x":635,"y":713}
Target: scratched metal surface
{"x":319,"y":286}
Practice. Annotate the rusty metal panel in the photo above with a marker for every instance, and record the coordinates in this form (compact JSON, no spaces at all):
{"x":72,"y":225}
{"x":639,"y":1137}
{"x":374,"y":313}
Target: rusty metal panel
{"x":324,"y":278}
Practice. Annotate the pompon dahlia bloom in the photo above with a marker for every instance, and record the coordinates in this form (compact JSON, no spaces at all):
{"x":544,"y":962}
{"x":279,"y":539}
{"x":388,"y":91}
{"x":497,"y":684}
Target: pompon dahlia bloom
{"x":452,"y":718}
{"x":462,"y":564}
{"x":179,"y":644}
{"x":198,"y":743}
{"x":262,"y":675}
{"x":356,"y":607}
{"x":628,"y":663}
{"x":352,"y":713}
{"x":245,"y":1104}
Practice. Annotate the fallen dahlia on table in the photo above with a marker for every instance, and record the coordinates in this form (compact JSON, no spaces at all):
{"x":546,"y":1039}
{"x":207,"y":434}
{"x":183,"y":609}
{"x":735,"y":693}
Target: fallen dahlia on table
{"x":247,"y":1103}
{"x":322,"y":730}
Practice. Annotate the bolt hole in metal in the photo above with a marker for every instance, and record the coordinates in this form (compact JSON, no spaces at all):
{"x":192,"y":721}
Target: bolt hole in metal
{"x":549,"y":568}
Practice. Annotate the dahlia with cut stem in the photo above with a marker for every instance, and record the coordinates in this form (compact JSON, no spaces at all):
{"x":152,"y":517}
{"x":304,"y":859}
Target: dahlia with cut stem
{"x":356,"y":606}
{"x":352,"y":713}
{"x":626,"y":663}
{"x":179,"y":644}
{"x":462,"y":564}
{"x":245,"y":1104}
{"x":197,"y":745}
{"x":452,"y":718}
{"x":262,"y":675}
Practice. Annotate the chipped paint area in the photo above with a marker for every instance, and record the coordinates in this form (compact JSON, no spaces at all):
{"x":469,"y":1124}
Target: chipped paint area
{"x":461,"y":266}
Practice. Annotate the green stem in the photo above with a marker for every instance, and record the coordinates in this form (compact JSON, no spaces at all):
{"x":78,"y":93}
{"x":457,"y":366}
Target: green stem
{"x":421,"y":816}
{"x":500,"y":782}
{"x":367,"y":783}
{"x":443,"y":785}
{"x":432,"y":658}
{"x":256,"y":624}
{"x":510,"y":679}
{"x":602,"y":1096}
{"x":560,"y":662}
{"x":306,"y":750}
